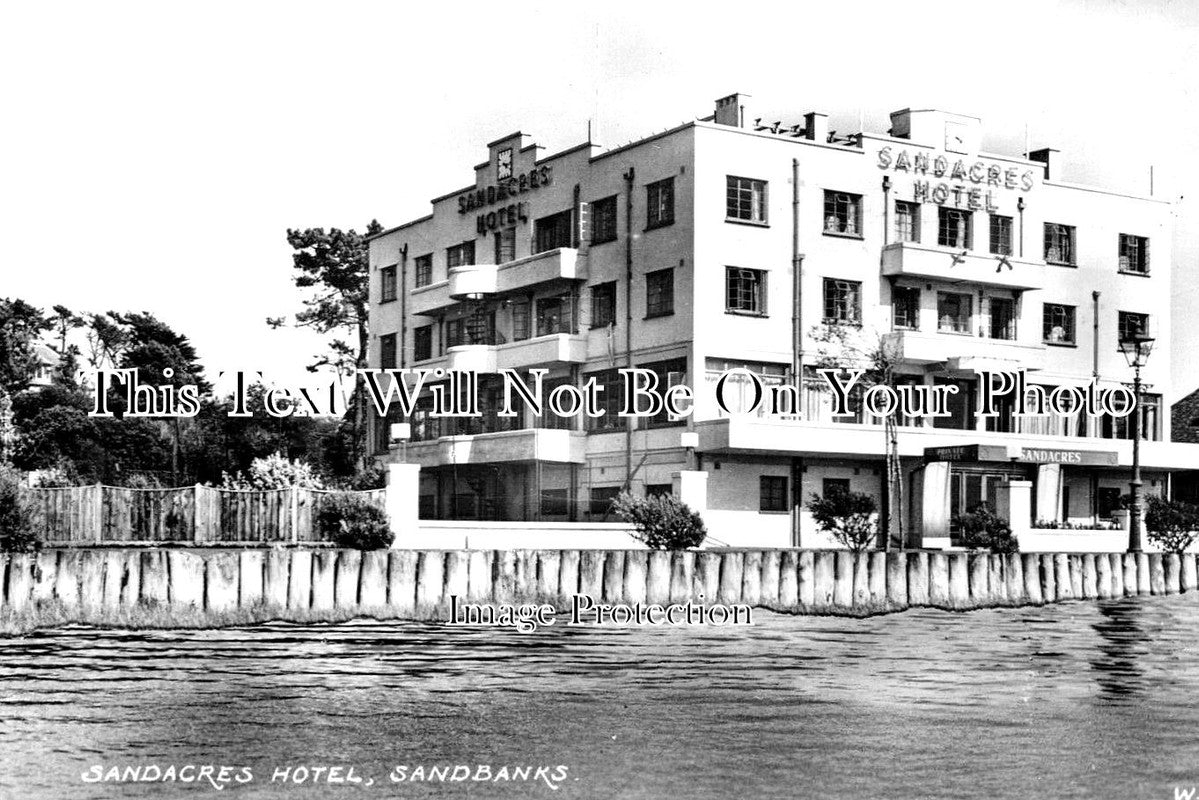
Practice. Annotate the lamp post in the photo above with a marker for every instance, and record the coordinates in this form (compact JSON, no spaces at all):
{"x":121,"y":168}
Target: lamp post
{"x":1136,"y":348}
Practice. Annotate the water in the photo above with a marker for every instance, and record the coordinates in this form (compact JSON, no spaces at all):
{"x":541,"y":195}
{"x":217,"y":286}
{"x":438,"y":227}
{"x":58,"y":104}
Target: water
{"x":1067,"y":700}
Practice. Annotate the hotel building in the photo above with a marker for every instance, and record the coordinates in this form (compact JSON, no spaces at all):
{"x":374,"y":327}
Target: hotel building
{"x":728,"y":243}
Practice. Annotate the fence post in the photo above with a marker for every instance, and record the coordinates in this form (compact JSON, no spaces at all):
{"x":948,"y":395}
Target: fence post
{"x":98,"y":512}
{"x":295,"y":513}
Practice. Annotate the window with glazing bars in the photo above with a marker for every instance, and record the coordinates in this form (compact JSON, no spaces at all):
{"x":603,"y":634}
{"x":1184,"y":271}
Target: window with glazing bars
{"x":460,"y":255}
{"x":603,"y":305}
{"x":842,"y":302}
{"x":387,"y":277}
{"x":1003,"y":318}
{"x":505,"y":246}
{"x":422,"y":343}
{"x":772,"y":493}
{"x":1059,"y":243}
{"x":609,"y":401}
{"x":659,"y":293}
{"x":954,"y":312}
{"x":554,"y":315}
{"x":603,"y":220}
{"x":387,"y":351}
{"x":745,"y":291}
{"x":1001,"y":235}
{"x":907,"y":221}
{"x":423,"y":269}
{"x":1058,"y":323}
{"x":1132,"y":324}
{"x":1134,"y":253}
{"x":843,"y":213}
{"x":746,"y":199}
{"x":954,"y":228}
{"x":554,"y":231}
{"x":905,"y":307}
{"x":520,"y":320}
{"x":659,"y":201}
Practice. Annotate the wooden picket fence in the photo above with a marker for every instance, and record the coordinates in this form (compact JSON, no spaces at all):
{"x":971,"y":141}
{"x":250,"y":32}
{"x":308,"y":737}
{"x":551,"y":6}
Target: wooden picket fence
{"x":98,"y":514}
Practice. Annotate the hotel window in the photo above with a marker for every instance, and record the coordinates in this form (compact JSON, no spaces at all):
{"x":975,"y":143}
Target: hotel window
{"x":659,"y":293}
{"x":553,"y":232}
{"x":669,"y":373}
{"x":746,"y":199}
{"x":505,"y":245}
{"x":387,"y":351}
{"x":659,"y":201}
{"x":745,"y":291}
{"x":603,"y":305}
{"x":424,"y":269}
{"x":772,"y":493}
{"x":1134,"y":254}
{"x":1132,"y":324}
{"x":460,"y":255}
{"x":554,"y":315}
{"x":422,"y":343}
{"x":388,"y":277}
{"x":907,"y":221}
{"x":608,"y":401}
{"x":842,"y":302}
{"x":905,"y":307}
{"x":954,"y":312}
{"x":1001,"y":235}
{"x":1058,"y":324}
{"x":1003,"y":318}
{"x":603,"y":220}
{"x":478,"y":328}
{"x":842,"y":213}
{"x":954,"y":228}
{"x":1059,"y":243}
{"x":520,"y":320}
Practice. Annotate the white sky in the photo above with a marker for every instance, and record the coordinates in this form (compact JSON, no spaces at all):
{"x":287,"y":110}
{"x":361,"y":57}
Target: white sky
{"x":153,"y":154}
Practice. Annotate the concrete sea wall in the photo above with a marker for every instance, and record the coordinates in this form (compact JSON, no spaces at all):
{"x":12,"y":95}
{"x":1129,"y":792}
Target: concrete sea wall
{"x":99,"y":585}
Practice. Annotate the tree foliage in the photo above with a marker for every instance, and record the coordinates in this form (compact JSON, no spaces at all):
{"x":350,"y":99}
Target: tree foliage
{"x":982,"y":529}
{"x":352,"y":521}
{"x":662,"y":522}
{"x":275,"y":472}
{"x":21,"y":325}
{"x":850,"y":517}
{"x":1172,"y":524}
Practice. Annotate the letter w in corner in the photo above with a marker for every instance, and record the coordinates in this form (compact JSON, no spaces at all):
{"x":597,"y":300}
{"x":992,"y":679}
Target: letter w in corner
{"x":397,"y":388}
{"x":1184,"y":794}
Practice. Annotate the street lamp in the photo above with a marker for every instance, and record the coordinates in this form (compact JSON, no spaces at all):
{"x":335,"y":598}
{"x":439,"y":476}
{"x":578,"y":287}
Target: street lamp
{"x":1136,"y":348}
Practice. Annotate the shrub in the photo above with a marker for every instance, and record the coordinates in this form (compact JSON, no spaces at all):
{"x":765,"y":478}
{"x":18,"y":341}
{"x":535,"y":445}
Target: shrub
{"x":663,"y":522}
{"x":982,"y":529}
{"x":352,"y":521}
{"x":373,"y":476}
{"x":16,"y":515}
{"x":274,"y":472}
{"x":848,"y":516}
{"x":1172,"y":525}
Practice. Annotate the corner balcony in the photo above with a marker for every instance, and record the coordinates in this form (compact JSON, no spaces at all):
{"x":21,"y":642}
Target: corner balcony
{"x":908,"y":259}
{"x":532,"y":444}
{"x":479,"y":358}
{"x":552,"y":349}
{"x":475,"y":281}
{"x":963,"y":352}
{"x":428,"y":300}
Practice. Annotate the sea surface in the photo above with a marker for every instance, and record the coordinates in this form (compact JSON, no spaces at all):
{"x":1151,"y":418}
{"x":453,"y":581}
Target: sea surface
{"x":1083,"y":699}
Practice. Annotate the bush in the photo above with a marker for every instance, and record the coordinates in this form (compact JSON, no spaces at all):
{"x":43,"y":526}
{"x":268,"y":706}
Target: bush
{"x":663,"y":522}
{"x":16,"y":515}
{"x":351,"y":521}
{"x":848,"y":516}
{"x":1172,"y":525}
{"x":982,"y":529}
{"x":274,"y":472}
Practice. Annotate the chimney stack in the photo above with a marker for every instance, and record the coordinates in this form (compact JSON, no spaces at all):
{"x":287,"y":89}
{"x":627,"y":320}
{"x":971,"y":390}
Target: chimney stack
{"x":731,"y":110}
{"x":1051,"y":158}
{"x":816,"y":126}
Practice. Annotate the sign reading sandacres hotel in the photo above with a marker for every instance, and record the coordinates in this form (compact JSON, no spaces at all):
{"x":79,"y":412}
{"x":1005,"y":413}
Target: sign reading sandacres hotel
{"x":968,"y":183}
{"x":1028,"y":455}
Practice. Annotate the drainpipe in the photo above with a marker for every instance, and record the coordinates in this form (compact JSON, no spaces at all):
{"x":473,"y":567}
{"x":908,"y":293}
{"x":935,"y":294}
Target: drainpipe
{"x":403,"y":303}
{"x":1095,"y":334}
{"x":628,"y":314}
{"x":1020,"y":209}
{"x":796,"y":346}
{"x":886,"y":209}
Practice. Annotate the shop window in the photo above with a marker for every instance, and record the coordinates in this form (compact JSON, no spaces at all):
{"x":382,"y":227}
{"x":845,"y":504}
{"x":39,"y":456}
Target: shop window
{"x":659,"y":293}
{"x":423,"y":269}
{"x":907,"y":221}
{"x":954,"y":228}
{"x":460,"y":255}
{"x":422,"y":343}
{"x":387,"y":277}
{"x":387,"y":351}
{"x":659,"y":201}
{"x":554,"y":231}
{"x":842,"y":302}
{"x":1058,"y":323}
{"x":603,"y":305}
{"x":843,"y":213}
{"x":1001,"y":235}
{"x":772,"y":493}
{"x":1059,"y":244}
{"x":1134,"y":254}
{"x":1003,"y":318}
{"x":954,"y":312}
{"x":603,"y":220}
{"x":745,"y":291}
{"x":905,"y":307}
{"x":745,"y":199}
{"x":1132,"y":324}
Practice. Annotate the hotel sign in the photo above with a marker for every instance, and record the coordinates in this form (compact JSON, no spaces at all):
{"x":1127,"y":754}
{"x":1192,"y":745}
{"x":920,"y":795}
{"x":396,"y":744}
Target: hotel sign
{"x":1028,"y":455}
{"x":968,"y":183}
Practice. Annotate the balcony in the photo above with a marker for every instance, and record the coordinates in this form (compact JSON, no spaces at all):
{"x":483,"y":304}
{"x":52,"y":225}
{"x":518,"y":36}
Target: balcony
{"x":533,"y":444}
{"x":555,"y":348}
{"x":479,"y":358}
{"x":961,"y":266}
{"x":472,"y":281}
{"x":963,"y":352}
{"x":428,"y":300}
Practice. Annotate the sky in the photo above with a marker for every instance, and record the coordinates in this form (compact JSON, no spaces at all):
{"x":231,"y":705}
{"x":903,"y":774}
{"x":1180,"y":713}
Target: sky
{"x":153,"y":155}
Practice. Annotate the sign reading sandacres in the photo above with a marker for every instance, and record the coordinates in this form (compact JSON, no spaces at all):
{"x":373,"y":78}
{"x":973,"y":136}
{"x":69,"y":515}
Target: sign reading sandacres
{"x":1028,"y":455}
